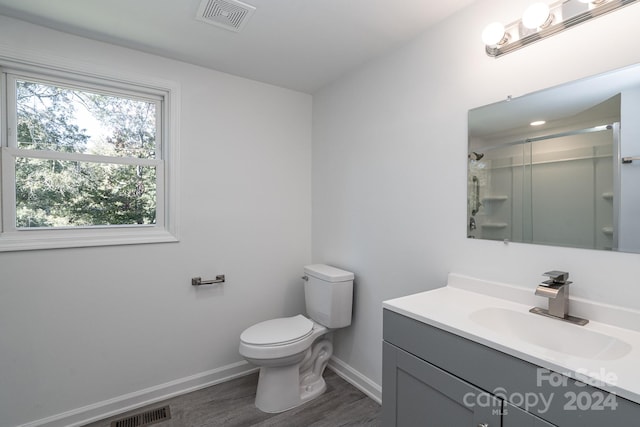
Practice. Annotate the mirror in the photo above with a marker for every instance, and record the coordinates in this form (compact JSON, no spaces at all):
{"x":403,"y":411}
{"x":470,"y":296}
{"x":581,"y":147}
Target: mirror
{"x":572,"y":178}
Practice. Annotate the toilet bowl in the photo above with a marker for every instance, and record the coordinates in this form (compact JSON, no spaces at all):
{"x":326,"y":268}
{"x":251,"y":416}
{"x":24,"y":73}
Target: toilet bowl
{"x":292,"y":352}
{"x":283,"y":349}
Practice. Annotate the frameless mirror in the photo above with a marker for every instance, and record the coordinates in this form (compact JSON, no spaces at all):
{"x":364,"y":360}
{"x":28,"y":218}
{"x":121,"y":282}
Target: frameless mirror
{"x":560,"y":166}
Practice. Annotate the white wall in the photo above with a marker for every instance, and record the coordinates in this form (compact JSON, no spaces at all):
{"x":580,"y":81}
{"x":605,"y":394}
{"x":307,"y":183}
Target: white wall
{"x":80,"y":326}
{"x":389,"y":166}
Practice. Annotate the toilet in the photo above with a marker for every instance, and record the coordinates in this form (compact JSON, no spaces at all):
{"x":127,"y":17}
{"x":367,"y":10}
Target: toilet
{"x":292,"y":352}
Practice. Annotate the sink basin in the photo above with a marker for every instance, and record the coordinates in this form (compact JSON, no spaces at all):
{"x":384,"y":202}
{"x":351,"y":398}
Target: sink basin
{"x":551,"y":334}
{"x":604,"y":353}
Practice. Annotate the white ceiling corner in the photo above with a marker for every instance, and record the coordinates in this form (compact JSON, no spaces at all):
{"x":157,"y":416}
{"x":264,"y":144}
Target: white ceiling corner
{"x":301,"y":45}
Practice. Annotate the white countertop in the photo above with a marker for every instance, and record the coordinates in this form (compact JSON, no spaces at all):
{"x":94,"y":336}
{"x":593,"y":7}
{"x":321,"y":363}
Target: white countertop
{"x":454,"y":307}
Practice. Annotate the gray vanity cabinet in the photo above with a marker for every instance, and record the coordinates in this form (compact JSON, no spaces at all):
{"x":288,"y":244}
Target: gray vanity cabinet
{"x":433,"y":378}
{"x":422,"y":395}
{"x":512,"y":416}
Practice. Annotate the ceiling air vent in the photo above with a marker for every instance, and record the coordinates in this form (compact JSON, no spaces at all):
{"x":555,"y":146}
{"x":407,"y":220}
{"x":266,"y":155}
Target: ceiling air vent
{"x":228,"y":14}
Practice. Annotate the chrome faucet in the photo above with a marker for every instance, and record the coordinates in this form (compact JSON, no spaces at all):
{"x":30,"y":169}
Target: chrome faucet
{"x":557,"y":290}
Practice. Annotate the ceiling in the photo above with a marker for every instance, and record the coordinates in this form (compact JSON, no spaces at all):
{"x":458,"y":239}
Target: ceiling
{"x":297,"y":44}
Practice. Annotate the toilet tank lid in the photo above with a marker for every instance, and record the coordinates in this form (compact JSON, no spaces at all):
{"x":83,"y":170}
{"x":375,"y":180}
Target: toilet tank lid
{"x":328,"y":273}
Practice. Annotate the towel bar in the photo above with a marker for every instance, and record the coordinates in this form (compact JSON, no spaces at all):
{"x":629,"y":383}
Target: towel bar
{"x":197,"y":281}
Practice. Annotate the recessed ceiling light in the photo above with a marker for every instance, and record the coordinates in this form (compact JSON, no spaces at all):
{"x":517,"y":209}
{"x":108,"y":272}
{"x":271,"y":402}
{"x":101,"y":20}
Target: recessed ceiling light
{"x":538,"y":123}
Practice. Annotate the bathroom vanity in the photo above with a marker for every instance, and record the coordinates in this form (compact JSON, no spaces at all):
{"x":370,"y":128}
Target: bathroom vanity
{"x":471,"y":354}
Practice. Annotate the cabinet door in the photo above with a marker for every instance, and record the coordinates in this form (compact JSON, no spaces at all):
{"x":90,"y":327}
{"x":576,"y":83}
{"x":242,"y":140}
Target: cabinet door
{"x":416,"y":393}
{"x":515,"y":417}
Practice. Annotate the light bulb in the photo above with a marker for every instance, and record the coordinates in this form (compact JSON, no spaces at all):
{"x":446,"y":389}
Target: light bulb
{"x":536,"y":16}
{"x":493,"y":34}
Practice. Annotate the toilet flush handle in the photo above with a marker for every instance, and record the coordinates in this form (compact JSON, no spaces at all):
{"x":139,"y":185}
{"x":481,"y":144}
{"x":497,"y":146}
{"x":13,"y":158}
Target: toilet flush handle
{"x":305,"y":278}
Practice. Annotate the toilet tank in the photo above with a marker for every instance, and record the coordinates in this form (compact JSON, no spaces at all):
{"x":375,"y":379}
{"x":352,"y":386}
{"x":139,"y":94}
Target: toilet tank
{"x":328,"y":293}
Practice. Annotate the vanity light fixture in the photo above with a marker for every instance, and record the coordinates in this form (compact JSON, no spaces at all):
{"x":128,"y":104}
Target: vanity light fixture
{"x":538,"y":15}
{"x":494,"y":34}
{"x":541,"y":20}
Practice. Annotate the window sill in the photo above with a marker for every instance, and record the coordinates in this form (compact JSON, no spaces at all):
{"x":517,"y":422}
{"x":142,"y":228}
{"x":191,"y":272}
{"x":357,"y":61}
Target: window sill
{"x":57,"y":239}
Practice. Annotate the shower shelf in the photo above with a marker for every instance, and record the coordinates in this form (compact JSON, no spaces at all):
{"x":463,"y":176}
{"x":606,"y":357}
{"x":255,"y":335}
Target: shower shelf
{"x":495,"y":198}
{"x":608,"y":231}
{"x":607,"y":196}
{"x":495,"y":225}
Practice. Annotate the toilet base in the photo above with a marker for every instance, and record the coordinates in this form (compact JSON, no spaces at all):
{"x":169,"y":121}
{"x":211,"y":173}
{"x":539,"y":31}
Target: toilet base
{"x":313,"y":390}
{"x":281,"y":388}
{"x":277,"y":389}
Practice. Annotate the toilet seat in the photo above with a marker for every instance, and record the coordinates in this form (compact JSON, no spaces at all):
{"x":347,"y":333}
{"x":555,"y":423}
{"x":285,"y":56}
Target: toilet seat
{"x":275,"y":332}
{"x":283,"y":338}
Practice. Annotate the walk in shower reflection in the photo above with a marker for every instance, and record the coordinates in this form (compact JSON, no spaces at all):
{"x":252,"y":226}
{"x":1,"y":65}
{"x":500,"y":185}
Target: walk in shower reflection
{"x":555,"y":189}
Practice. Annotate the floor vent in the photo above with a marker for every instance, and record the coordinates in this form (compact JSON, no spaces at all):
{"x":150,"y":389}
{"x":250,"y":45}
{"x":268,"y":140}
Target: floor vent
{"x":145,"y":418}
{"x":228,"y":14}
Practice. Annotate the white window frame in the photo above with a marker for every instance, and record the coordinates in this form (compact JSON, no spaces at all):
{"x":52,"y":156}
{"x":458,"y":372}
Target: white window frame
{"x":164,"y":94}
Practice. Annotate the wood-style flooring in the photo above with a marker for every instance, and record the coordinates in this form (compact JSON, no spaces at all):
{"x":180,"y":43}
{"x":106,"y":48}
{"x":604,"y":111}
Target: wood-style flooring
{"x":232,"y":404}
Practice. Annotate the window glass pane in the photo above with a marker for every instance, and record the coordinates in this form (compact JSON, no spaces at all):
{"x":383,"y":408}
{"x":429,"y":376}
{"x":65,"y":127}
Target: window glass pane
{"x":77,"y":121}
{"x":56,"y":193}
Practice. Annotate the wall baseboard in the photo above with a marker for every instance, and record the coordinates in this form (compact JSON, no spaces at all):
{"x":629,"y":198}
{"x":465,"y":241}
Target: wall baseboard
{"x":357,"y":379}
{"x":127,"y":402}
{"x":138,"y":399}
